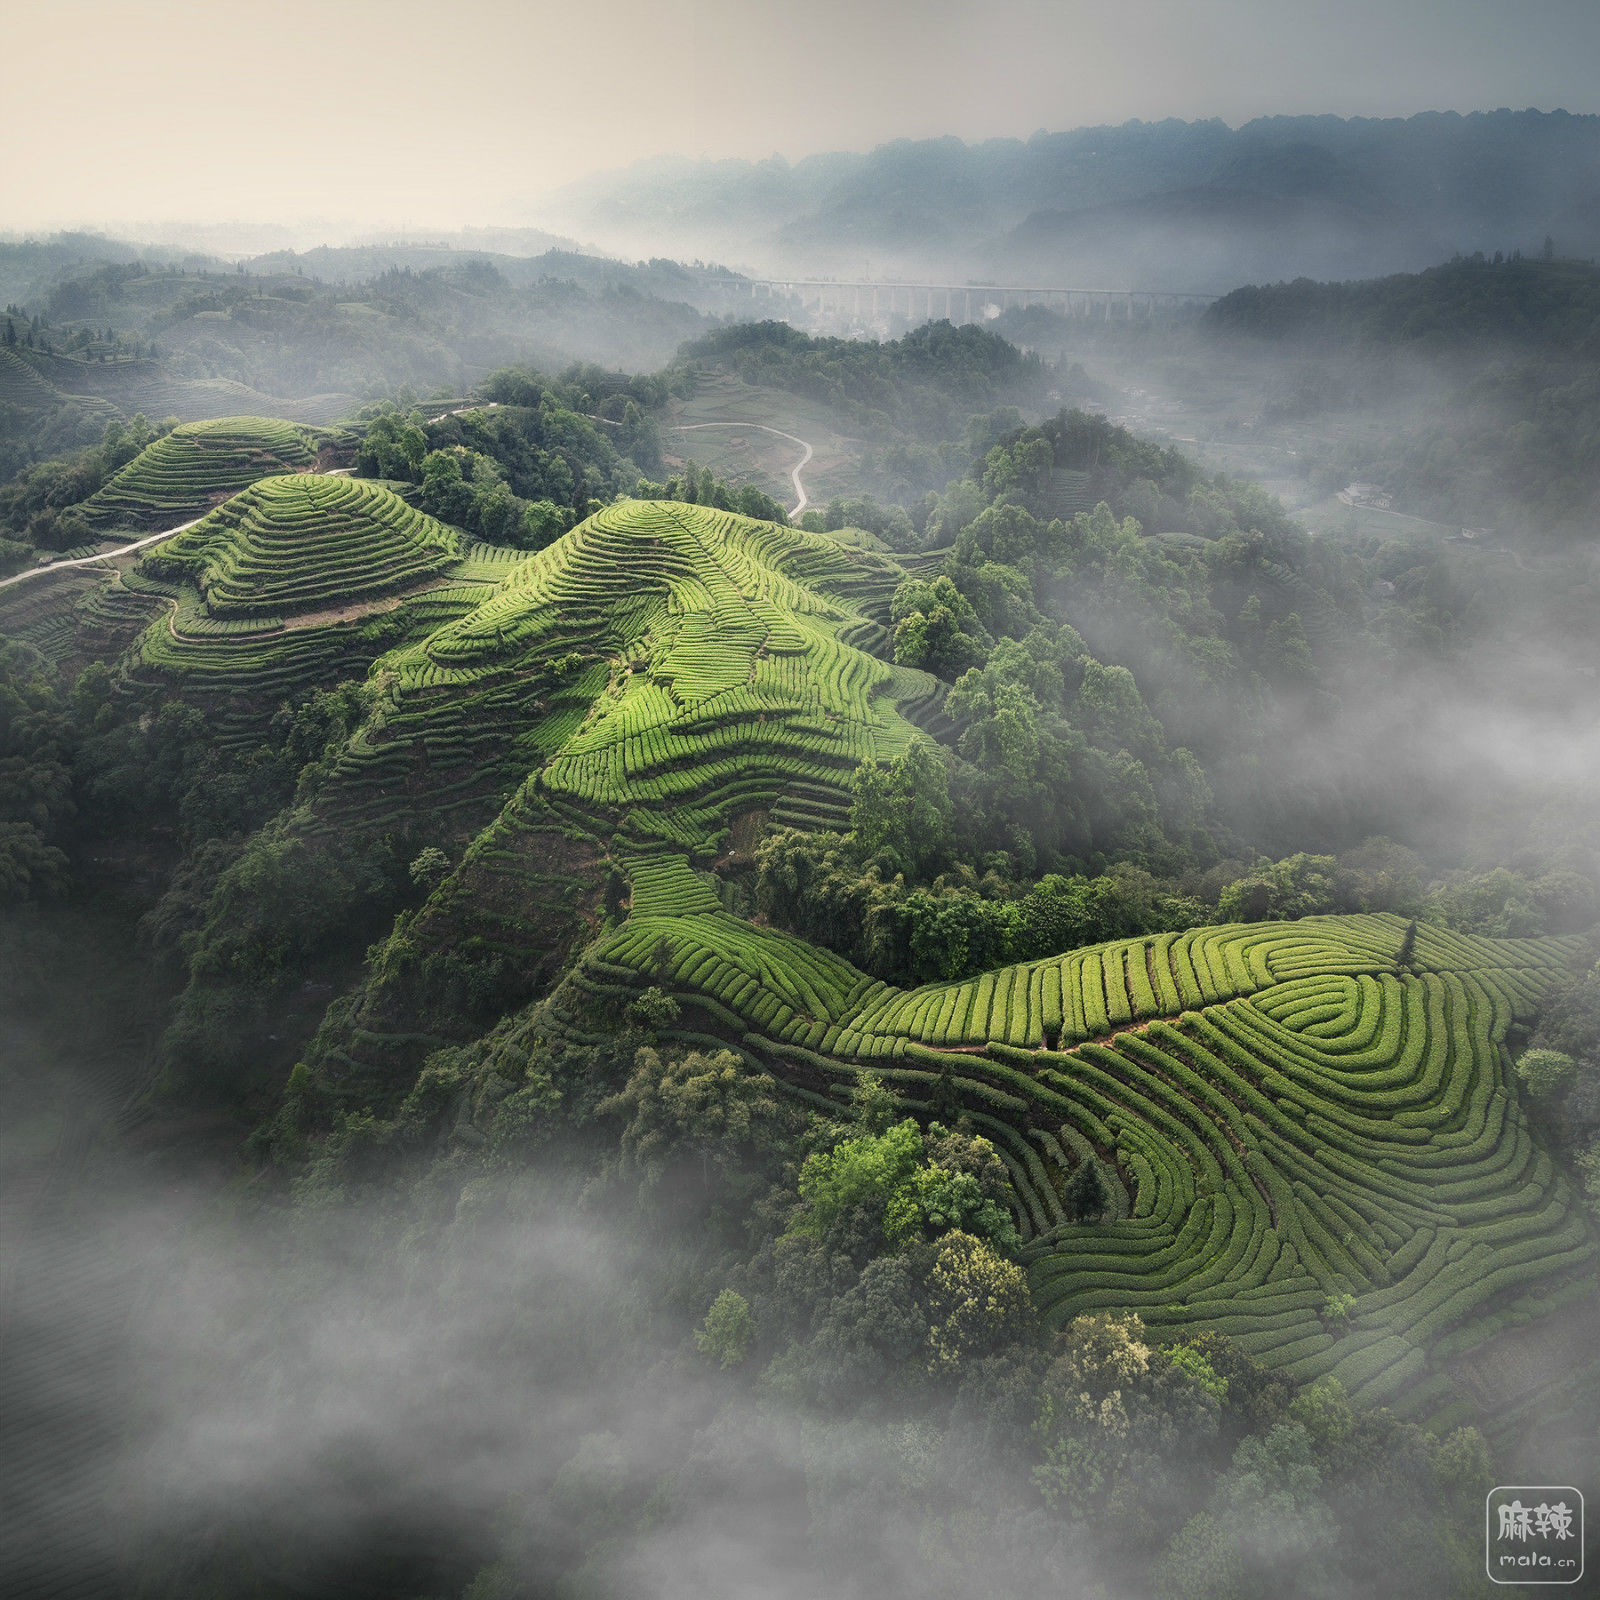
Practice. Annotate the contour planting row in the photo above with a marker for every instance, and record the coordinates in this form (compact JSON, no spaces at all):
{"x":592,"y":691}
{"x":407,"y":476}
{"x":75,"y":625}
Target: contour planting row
{"x":243,"y":670}
{"x":294,"y":544}
{"x":194,"y":466}
{"x":452,"y":746}
{"x":23,"y":387}
{"x":1318,"y":1120}
{"x":679,"y":937}
{"x":1090,"y":993}
{"x":723,"y":682}
{"x":1390,"y":1162}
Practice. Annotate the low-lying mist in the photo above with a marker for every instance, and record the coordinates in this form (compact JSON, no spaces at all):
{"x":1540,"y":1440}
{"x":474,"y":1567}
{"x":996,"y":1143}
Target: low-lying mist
{"x":368,"y":1399}
{"x":470,"y":1381}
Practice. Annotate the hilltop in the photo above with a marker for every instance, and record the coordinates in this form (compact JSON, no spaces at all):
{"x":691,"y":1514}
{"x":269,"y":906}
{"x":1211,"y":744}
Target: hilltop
{"x":290,"y":544}
{"x":194,"y":467}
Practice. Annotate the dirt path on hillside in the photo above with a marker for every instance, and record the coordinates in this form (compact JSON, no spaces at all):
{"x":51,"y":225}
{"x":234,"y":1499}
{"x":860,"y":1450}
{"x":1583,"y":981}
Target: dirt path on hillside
{"x":101,"y":558}
{"x":801,"y":501}
{"x":317,"y":619}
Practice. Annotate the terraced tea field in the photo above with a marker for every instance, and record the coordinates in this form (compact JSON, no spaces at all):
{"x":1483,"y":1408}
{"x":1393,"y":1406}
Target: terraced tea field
{"x":196,"y":465}
{"x":1283,"y":1113}
{"x":294,"y":583}
{"x":29,"y":389}
{"x":705,"y":663}
{"x":292,"y":544}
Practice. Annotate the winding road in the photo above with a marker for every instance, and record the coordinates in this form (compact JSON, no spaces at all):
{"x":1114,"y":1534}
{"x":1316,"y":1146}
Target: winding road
{"x":794,"y":473}
{"x":801,"y":500}
{"x":95,"y":560}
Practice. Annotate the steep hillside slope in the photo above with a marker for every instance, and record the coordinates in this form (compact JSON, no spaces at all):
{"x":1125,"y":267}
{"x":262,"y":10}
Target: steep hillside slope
{"x":660,"y":672}
{"x":195,"y":466}
{"x":1283,"y":1113}
{"x":722,"y":662}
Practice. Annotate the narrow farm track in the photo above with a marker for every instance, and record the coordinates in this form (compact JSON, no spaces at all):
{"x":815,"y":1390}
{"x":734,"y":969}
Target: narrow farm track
{"x":102,"y":558}
{"x":801,"y":501}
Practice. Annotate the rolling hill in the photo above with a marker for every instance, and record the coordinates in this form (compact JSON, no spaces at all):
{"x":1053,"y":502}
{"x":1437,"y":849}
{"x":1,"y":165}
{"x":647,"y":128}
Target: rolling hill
{"x":1283,"y":1113}
{"x":291,"y":544}
{"x":194,"y":467}
{"x":1309,"y":1131}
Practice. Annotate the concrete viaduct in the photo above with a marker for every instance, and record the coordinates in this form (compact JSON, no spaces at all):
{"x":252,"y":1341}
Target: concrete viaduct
{"x":958,"y":302}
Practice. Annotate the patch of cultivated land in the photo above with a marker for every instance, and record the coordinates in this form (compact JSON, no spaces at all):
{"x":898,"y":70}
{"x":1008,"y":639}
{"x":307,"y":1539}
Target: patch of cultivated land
{"x":748,"y":456}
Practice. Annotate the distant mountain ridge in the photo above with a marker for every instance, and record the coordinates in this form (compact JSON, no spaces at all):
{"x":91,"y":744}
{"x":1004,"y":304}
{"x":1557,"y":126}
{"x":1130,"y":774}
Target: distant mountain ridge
{"x":1516,"y":302}
{"x":1319,"y":196}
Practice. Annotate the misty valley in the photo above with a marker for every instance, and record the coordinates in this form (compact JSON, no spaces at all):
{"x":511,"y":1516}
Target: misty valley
{"x":877,"y":876}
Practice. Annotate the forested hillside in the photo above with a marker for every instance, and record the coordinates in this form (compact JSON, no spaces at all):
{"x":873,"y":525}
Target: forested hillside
{"x":925,"y":385}
{"x":1539,"y":303}
{"x":1039,"y":1009}
{"x":1488,"y":369}
{"x":84,"y":339}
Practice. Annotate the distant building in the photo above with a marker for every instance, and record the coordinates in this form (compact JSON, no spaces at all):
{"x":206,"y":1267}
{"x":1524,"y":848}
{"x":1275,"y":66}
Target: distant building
{"x":1370,"y":495}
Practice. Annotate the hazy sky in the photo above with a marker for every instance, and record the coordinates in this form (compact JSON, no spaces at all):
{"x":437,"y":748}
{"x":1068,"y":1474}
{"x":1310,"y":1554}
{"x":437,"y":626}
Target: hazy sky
{"x":395,"y":111}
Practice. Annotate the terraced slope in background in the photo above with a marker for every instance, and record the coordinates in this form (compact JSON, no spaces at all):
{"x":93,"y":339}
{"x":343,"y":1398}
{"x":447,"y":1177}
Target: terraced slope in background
{"x":196,"y":465}
{"x":1283,"y":1113}
{"x":292,"y":544}
{"x":30,"y":390}
{"x":22,"y":386}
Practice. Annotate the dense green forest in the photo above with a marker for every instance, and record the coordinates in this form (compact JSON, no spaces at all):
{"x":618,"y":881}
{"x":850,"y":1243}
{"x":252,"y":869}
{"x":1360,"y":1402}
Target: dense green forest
{"x":1543,"y":303}
{"x":924,"y":385}
{"x":838,"y":964}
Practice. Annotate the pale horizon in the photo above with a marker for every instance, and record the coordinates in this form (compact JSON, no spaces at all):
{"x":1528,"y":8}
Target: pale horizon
{"x":388,"y":120}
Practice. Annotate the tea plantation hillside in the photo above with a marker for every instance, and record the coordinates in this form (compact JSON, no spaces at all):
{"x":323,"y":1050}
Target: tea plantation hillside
{"x":195,"y":466}
{"x":723,"y":665}
{"x":1308,"y":1131}
{"x":295,"y":584}
{"x":1282,"y":1114}
{"x":624,"y":697}
{"x":291,"y":544}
